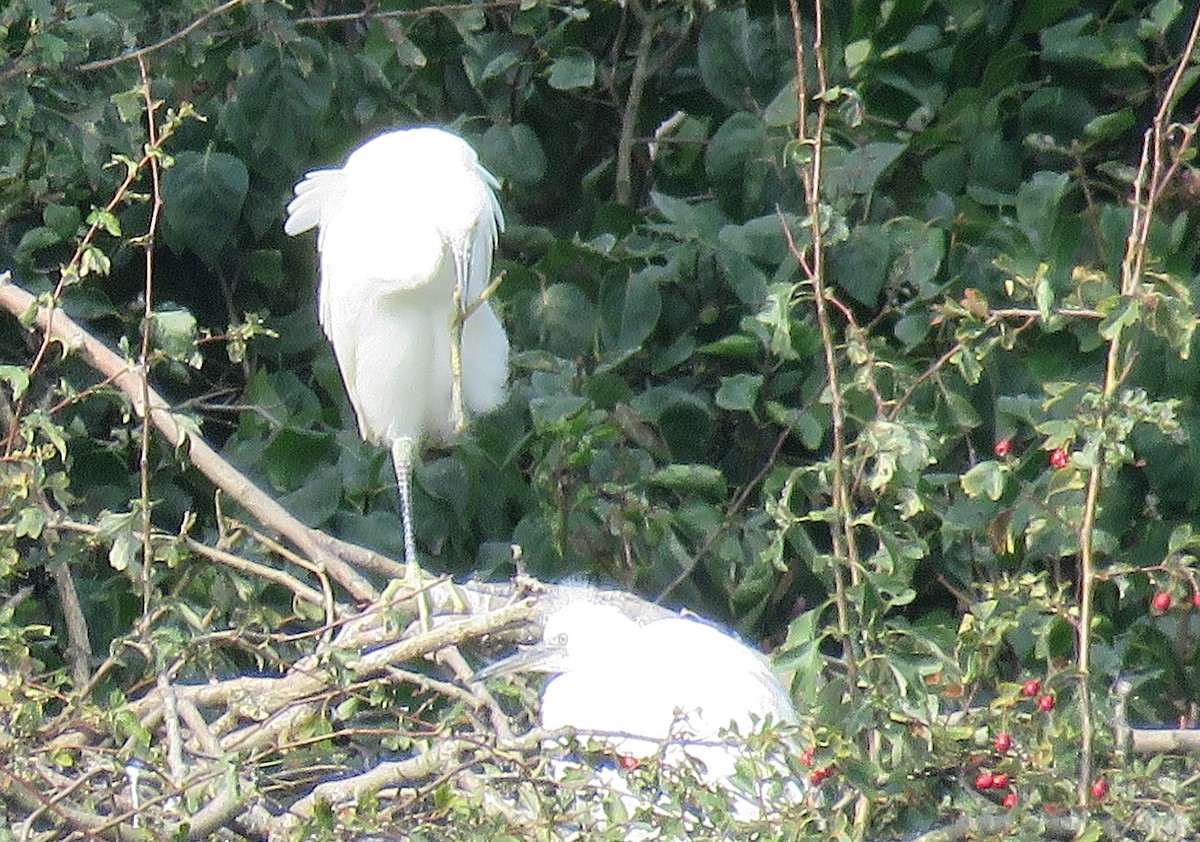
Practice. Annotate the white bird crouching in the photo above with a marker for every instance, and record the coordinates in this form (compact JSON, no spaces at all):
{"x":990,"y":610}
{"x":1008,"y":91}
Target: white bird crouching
{"x":409,"y":221}
{"x":667,"y":688}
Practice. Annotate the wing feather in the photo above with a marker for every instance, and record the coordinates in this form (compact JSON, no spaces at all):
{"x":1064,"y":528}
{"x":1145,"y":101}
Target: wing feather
{"x":317,"y":198}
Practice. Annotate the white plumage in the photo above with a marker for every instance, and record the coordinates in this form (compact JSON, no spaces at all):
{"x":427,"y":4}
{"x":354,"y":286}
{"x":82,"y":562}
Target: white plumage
{"x":411,"y":218}
{"x":667,"y":687}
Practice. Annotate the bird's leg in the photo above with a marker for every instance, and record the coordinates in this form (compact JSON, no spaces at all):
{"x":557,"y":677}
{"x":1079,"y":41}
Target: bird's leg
{"x":457,"y":412}
{"x":403,"y":453}
{"x":463,"y":310}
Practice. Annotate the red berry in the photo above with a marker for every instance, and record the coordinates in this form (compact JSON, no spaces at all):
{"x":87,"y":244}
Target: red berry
{"x":628,"y":762}
{"x":1003,"y":741}
{"x":1031,"y":687}
{"x":806,"y":756}
{"x":1000,"y":781}
{"x":820,"y":775}
{"x":1010,"y":801}
{"x":1161,"y":602}
{"x":1046,"y":703}
{"x":983,"y":781}
{"x":1099,"y":789}
{"x":1196,"y":599}
{"x":1059,"y":458}
{"x":1002,"y":448}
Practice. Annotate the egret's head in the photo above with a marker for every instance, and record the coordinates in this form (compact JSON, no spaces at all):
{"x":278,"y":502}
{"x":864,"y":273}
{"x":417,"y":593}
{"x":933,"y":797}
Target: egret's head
{"x":423,"y":149}
{"x":576,"y":634}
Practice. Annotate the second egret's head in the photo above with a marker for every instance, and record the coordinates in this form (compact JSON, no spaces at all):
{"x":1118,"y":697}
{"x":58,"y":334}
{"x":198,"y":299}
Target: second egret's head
{"x":577,"y":634}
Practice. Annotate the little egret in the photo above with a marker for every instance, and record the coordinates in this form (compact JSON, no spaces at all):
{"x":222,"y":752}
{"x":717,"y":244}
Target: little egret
{"x":663,"y":688}
{"x":406,"y":232}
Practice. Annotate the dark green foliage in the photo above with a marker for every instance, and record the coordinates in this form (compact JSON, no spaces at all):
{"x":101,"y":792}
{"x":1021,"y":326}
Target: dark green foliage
{"x":670,"y":426}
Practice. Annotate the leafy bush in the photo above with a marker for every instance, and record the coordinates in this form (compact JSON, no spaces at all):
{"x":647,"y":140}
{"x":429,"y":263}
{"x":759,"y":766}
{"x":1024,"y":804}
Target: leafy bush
{"x":865,"y":328}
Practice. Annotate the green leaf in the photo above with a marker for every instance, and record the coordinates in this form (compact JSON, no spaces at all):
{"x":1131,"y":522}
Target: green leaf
{"x":859,"y":265}
{"x":566,"y":318}
{"x":1038,"y":203}
{"x":17,"y":379}
{"x":573,"y":68}
{"x":704,"y":479}
{"x":174,"y":333}
{"x":643,"y":304}
{"x":203,"y":194}
{"x":733,"y":55}
{"x":547,"y":412}
{"x":1124,"y":313}
{"x":30,"y":522}
{"x":1109,"y":125}
{"x":63,"y":219}
{"x":737,"y":161}
{"x":293,"y":454}
{"x":130,"y":105}
{"x":739,"y":392}
{"x":858,"y":170}
{"x":986,"y":478}
{"x":513,"y":152}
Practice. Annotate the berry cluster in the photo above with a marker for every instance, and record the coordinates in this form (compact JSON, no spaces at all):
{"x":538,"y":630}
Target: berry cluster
{"x":1162,"y":601}
{"x":817,"y":776}
{"x":1003,"y":743}
{"x":1060,"y":457}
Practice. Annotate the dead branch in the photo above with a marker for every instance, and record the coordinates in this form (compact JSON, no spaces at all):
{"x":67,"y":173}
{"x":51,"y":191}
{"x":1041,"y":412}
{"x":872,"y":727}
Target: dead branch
{"x":53,"y":322}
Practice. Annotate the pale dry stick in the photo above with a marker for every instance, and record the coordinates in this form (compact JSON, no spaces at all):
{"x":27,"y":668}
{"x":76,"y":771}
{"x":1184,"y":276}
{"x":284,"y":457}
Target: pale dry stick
{"x":1152,"y":175}
{"x":57,"y":326}
{"x":1164,"y":740}
{"x":79,"y":647}
{"x":197,"y":725}
{"x":431,"y":685}
{"x":384,"y":776}
{"x":328,"y":604}
{"x":170,"y":716}
{"x":283,"y":702}
{"x":38,"y":805}
{"x":463,"y":671}
{"x":301,"y":591}
{"x":439,"y":762}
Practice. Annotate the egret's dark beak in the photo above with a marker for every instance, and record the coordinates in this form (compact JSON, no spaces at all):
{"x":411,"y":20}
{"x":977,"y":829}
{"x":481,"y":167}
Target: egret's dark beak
{"x":538,"y":657}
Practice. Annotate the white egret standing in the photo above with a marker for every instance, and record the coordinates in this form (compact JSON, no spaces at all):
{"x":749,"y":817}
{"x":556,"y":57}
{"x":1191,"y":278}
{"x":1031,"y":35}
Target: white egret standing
{"x":668,"y":686}
{"x":407,"y":229}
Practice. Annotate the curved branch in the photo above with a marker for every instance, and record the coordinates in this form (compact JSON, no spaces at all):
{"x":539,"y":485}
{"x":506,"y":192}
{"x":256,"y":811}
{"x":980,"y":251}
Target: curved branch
{"x":142,"y":52}
{"x":57,"y":326}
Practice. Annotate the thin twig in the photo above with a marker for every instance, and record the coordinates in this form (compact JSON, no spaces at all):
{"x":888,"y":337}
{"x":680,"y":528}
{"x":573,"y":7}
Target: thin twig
{"x":142,"y":52}
{"x":144,"y":353}
{"x":1153,"y":175}
{"x":423,"y":11}
{"x":58,"y":327}
{"x":841,"y":531}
